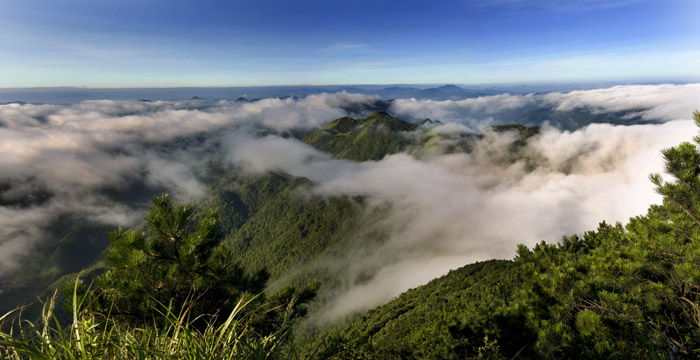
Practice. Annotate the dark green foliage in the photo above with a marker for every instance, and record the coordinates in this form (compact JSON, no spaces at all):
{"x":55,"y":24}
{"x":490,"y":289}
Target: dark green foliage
{"x":446,"y":318}
{"x":285,"y":229}
{"x":621,"y":292}
{"x":176,"y":261}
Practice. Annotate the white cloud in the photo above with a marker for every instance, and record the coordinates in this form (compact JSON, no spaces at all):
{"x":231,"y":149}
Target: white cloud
{"x":72,"y":154}
{"x":652,"y":102}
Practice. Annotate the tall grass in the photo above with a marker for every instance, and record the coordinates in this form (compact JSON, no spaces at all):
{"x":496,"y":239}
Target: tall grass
{"x":93,"y":335}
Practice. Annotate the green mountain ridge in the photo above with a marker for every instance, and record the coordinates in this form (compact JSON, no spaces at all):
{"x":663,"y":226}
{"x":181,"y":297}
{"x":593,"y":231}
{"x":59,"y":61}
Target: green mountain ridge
{"x":380,"y":134}
{"x":370,"y":138}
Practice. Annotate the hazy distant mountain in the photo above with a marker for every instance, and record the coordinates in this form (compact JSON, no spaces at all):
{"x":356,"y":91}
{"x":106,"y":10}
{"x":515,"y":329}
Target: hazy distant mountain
{"x":71,"y":95}
{"x":14,"y":102}
{"x":445,"y":92}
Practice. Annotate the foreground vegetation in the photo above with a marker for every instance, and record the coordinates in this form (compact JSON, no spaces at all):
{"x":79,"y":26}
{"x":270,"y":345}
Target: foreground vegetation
{"x":173,"y":291}
{"x":92,"y":335}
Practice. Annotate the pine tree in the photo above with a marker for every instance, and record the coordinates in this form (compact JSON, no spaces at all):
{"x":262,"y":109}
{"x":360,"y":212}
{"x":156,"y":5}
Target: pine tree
{"x":177,"y":262}
{"x":683,"y":162}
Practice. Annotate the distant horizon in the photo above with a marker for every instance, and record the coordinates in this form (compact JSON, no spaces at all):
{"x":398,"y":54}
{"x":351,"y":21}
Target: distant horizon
{"x":417,"y":85}
{"x":74,"y":94}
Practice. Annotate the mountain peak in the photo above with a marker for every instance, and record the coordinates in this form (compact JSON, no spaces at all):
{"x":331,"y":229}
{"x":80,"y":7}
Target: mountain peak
{"x":377,"y":135}
{"x":378,"y":118}
{"x":341,"y":125}
{"x":449,"y":87}
{"x":377,"y":114}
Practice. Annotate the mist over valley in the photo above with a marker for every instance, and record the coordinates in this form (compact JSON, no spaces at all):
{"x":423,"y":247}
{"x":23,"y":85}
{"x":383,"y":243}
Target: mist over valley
{"x":417,"y":198}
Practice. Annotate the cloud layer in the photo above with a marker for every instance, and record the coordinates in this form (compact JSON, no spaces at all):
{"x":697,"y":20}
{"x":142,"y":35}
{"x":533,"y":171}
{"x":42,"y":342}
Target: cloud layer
{"x":103,"y":158}
{"x":650,"y":102}
{"x":91,"y":157}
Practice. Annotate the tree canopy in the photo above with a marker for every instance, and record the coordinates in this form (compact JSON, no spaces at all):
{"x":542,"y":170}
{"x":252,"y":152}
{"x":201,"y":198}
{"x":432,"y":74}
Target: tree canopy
{"x":181,"y":261}
{"x":178,"y":260}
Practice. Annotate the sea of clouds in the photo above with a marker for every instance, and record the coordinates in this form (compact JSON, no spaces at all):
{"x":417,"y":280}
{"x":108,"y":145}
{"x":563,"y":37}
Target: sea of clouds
{"x":446,"y":210}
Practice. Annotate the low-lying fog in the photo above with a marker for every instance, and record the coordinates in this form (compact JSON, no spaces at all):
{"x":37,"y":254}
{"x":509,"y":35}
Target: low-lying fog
{"x":447,"y":210}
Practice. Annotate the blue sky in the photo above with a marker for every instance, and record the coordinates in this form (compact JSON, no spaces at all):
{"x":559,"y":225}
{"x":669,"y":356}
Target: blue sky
{"x":148,"y":43}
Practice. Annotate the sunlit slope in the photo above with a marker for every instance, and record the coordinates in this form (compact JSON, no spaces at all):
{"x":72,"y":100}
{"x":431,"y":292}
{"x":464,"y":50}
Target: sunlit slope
{"x":441,"y":319}
{"x":380,"y":134}
{"x":370,"y":138}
